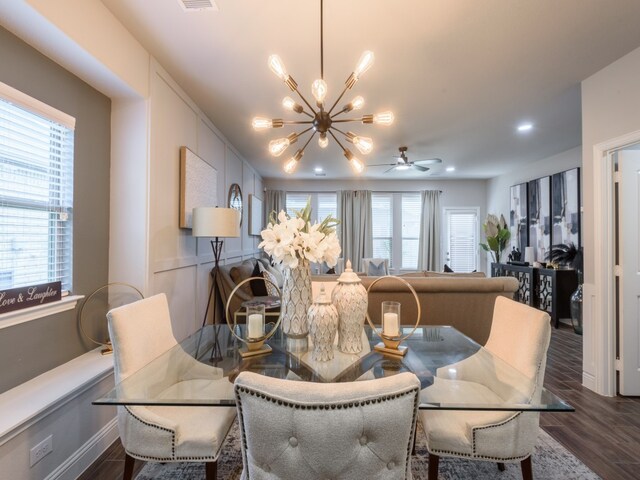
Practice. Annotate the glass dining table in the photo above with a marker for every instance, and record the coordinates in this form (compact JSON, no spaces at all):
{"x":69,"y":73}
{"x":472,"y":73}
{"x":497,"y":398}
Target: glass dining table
{"x":455,"y":372}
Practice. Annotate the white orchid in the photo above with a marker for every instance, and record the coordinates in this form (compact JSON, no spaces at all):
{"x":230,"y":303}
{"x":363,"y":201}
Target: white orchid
{"x":290,"y":239}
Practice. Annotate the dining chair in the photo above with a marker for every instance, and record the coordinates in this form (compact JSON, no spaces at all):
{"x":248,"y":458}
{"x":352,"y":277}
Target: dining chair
{"x":141,"y":332}
{"x":356,"y":430}
{"x":375,"y":267}
{"x":520,"y":338}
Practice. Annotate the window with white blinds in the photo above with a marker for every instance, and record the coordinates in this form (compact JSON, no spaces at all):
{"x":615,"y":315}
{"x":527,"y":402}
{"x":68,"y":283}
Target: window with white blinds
{"x":411,"y":210}
{"x":36,"y":192}
{"x":322,"y":204}
{"x":382,"y":228}
{"x":462,"y":239}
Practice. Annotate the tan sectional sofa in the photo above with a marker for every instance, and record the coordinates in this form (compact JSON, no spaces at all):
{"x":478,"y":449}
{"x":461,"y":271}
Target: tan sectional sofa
{"x":465,"y":302}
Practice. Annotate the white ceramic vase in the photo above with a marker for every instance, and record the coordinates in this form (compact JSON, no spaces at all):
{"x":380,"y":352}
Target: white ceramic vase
{"x":323,"y":326}
{"x":296,"y":300}
{"x":350,"y":300}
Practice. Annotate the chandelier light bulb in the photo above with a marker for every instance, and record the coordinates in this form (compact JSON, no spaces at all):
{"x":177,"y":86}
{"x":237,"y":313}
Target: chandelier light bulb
{"x":262,"y":123}
{"x":319,"y":90}
{"x":289,"y":103}
{"x":357,"y":103}
{"x":364,"y":64}
{"x":363,"y":144}
{"x":277,"y":67}
{"x":291,"y":165}
{"x":277,"y":147}
{"x":356,"y":165}
{"x":323,"y":141}
{"x":383,"y":118}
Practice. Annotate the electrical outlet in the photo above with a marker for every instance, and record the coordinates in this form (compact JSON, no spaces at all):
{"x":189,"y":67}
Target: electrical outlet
{"x":41,"y":450}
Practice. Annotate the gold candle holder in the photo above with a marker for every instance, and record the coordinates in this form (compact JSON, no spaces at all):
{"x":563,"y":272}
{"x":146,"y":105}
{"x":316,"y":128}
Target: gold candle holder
{"x":254,"y":345}
{"x":392,"y":344}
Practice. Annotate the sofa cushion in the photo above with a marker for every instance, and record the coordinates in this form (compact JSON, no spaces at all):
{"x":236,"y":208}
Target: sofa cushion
{"x":258,"y":287}
{"x":269,"y":287}
{"x":240,"y":273}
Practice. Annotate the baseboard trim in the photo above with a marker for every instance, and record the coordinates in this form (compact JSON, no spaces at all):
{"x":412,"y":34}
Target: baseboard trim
{"x":589,"y":381}
{"x":88,"y":453}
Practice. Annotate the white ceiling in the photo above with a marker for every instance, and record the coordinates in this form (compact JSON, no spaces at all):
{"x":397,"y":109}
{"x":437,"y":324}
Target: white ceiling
{"x":459,"y":75}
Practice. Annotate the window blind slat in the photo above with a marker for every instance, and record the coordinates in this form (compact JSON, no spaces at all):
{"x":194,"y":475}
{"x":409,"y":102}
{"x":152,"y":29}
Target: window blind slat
{"x":36,"y":196}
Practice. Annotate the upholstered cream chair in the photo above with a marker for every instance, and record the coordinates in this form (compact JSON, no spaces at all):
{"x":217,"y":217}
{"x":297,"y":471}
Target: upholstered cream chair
{"x":141,"y":332}
{"x":375,"y":267}
{"x":520,"y":337}
{"x":356,"y":431}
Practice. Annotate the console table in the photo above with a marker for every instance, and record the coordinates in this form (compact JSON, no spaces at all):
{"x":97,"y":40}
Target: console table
{"x":544,"y":288}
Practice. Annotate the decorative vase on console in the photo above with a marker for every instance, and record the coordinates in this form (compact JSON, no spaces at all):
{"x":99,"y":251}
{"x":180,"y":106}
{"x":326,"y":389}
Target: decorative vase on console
{"x":294,"y":242}
{"x":571,"y":255}
{"x":350,"y":299}
{"x":323,"y":326}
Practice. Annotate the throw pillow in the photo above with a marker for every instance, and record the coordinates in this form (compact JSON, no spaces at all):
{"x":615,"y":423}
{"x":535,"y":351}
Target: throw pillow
{"x":447,"y":269}
{"x":258,"y":287}
{"x":239,"y":273}
{"x":271,"y":290}
{"x":377,"y":270}
{"x":331,"y":271}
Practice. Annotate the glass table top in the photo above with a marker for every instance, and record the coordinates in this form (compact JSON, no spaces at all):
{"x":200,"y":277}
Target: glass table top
{"x":455,"y":372}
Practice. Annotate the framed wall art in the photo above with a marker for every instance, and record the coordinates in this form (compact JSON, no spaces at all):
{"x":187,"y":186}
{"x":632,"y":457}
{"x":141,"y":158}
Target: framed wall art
{"x":518,"y":217}
{"x":198,"y":182}
{"x":539,"y":200}
{"x":565,"y":207}
{"x":255,"y":215}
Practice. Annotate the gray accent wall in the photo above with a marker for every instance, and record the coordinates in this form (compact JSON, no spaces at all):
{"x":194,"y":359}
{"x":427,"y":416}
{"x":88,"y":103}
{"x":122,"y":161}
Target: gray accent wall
{"x":31,"y":348}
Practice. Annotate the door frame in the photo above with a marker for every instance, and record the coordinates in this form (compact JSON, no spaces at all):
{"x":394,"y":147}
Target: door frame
{"x":600,"y":296}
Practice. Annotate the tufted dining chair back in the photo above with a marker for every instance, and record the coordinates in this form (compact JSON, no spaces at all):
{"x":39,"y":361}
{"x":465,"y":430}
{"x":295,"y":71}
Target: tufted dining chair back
{"x":357,"y":430}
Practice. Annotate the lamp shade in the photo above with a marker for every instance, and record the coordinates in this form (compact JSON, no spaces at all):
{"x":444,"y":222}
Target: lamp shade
{"x":215,"y":222}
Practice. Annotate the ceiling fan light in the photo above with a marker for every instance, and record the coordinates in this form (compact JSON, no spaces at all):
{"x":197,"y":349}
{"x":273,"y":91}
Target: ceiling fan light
{"x":403,"y":167}
{"x":319,"y":90}
{"x":383,"y":118}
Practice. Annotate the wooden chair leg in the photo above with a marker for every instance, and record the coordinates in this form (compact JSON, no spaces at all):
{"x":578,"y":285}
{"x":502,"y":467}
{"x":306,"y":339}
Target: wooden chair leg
{"x":434,"y":460}
{"x":527,"y":472}
{"x":501,"y":466}
{"x":129,"y":463}
{"x":211,"y":470}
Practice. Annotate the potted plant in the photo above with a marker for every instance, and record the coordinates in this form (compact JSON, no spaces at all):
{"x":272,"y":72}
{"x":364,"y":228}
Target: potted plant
{"x":497,"y":234}
{"x":570,"y":255}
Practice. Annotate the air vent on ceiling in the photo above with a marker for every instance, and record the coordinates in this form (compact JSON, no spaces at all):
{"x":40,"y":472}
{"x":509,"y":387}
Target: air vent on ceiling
{"x":198,"y":5}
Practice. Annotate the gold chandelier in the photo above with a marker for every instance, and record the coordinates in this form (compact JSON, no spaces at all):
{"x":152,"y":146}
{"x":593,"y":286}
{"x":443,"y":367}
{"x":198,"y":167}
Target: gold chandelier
{"x":321,"y":120}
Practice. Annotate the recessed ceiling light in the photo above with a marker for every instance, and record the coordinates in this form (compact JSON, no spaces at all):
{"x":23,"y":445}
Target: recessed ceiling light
{"x":318,"y":170}
{"x":451,"y":169}
{"x":525,"y":127}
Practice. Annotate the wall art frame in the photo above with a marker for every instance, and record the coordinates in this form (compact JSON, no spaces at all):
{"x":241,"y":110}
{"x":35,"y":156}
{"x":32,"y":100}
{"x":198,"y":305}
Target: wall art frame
{"x":198,"y":185}
{"x":519,"y":217}
{"x":565,"y":208}
{"x":539,"y":201}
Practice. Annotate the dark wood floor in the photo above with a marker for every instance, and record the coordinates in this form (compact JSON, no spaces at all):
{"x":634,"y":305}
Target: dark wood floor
{"x":603,"y":432}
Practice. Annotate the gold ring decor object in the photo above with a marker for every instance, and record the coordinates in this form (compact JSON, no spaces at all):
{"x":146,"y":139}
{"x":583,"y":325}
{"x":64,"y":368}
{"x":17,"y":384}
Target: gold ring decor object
{"x":255,"y":346}
{"x":389,"y":344}
{"x":108,"y":349}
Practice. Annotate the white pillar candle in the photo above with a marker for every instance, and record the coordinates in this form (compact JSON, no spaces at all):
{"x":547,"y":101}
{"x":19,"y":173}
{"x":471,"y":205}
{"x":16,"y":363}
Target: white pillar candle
{"x":390,"y":326}
{"x":255,"y":326}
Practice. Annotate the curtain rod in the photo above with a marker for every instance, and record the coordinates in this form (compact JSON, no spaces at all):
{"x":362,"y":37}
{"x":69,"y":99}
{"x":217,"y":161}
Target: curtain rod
{"x":336,"y":191}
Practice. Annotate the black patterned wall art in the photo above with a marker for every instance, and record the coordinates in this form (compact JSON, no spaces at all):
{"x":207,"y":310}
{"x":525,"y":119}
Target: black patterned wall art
{"x":565,"y":207}
{"x":518,"y":218}
{"x":539,"y":196}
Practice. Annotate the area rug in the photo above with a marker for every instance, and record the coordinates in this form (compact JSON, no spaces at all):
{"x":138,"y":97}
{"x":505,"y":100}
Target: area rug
{"x":551,"y":461}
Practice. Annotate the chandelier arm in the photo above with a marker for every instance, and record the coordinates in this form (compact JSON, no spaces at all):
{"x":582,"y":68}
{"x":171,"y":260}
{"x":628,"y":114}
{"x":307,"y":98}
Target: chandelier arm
{"x":305,"y":101}
{"x":304,"y":131}
{"x":344,"y":120}
{"x":340,"y":112}
{"x":307,"y":114}
{"x":307,"y":143}
{"x":296,"y":122}
{"x":339,"y":131}
{"x":338,"y":99}
{"x":336,"y":139}
{"x":321,"y":40}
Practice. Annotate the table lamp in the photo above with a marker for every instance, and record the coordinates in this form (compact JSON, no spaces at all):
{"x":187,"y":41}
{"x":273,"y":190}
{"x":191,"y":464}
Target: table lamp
{"x":215,"y":223}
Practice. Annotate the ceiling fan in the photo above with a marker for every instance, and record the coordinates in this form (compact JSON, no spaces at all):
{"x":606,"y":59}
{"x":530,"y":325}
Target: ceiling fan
{"x":403,"y":163}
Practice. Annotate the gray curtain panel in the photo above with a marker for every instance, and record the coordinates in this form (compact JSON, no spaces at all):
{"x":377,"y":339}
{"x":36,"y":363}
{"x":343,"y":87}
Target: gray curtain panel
{"x":355,"y":229}
{"x":430,"y":222}
{"x":273,"y":202}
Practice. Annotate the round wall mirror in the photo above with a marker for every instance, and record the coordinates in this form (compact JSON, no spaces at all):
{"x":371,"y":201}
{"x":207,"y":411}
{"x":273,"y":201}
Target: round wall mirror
{"x":235,"y":199}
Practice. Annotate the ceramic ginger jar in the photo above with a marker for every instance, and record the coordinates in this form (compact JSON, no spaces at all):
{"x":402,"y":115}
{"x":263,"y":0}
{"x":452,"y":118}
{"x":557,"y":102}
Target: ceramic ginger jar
{"x":350,"y":300}
{"x":323,"y":326}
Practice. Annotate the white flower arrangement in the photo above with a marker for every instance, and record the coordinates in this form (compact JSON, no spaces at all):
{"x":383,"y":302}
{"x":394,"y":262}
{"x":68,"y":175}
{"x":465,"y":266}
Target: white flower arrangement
{"x":287,"y":240}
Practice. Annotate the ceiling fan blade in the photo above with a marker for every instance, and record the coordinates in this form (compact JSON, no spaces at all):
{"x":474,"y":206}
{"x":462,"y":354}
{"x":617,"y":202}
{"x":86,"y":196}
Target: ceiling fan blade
{"x":429,"y":161}
{"x":420,"y":168}
{"x":392,"y":168}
